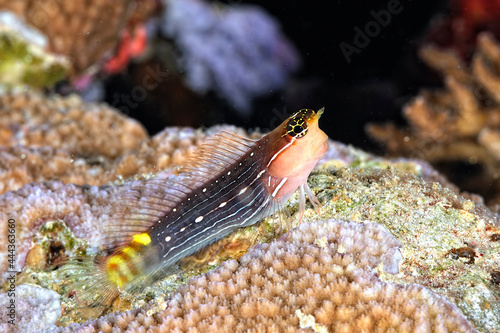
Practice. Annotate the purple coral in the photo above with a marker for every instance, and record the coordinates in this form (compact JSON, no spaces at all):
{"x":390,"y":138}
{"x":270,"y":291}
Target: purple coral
{"x":35,"y":309}
{"x":240,"y":52}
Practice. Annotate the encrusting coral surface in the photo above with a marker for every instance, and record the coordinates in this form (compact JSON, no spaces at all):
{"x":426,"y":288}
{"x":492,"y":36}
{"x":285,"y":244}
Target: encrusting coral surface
{"x":445,"y":242}
{"x":65,"y":139}
{"x":318,"y":277}
{"x":81,"y":30}
{"x":33,"y":304}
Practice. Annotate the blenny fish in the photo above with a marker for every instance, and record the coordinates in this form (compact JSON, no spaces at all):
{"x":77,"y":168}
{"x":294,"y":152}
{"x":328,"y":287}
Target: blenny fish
{"x":231,"y":182}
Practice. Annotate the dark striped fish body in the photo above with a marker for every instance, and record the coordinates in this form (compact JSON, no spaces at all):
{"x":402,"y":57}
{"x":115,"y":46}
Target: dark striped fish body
{"x":230,"y":183}
{"x":234,"y":197}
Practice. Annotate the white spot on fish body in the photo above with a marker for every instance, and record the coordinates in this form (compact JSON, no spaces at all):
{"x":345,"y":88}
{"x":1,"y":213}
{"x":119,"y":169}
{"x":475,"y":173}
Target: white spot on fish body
{"x":205,"y":189}
{"x":228,"y":173}
{"x":183,"y":228}
{"x":168,"y":238}
{"x":174,"y":210}
{"x":252,"y":153}
{"x":222,"y":204}
{"x":199,"y":219}
{"x":242,"y":191}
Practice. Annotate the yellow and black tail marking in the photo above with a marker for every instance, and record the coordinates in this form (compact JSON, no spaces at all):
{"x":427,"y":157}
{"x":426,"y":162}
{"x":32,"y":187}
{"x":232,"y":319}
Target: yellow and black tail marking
{"x":99,"y":281}
{"x":128,"y":263}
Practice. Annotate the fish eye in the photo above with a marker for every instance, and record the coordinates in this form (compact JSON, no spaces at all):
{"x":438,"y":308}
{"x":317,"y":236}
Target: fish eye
{"x":297,"y":126}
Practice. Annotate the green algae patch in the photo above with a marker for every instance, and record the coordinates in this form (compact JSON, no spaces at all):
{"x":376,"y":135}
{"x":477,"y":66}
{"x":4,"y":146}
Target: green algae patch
{"x":25,"y":63}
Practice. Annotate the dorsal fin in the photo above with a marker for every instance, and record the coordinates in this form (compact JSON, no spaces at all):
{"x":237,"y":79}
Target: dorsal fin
{"x":216,"y":154}
{"x":140,"y":205}
{"x":145,"y":202}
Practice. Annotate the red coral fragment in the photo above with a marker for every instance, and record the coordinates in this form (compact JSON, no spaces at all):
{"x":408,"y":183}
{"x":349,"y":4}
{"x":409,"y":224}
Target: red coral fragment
{"x":131,"y":46}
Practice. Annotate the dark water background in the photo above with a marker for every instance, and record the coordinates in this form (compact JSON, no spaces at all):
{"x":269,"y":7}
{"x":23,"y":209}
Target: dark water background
{"x":372,"y":85}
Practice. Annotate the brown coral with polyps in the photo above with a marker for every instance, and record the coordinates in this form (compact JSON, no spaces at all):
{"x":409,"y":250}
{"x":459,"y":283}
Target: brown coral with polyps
{"x":31,"y":119}
{"x":319,"y":276}
{"x":44,"y":138}
{"x":82,"y":30}
{"x":63,"y":138}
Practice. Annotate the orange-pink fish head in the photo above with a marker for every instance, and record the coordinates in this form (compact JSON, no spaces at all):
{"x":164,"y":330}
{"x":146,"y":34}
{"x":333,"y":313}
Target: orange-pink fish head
{"x":299,"y":145}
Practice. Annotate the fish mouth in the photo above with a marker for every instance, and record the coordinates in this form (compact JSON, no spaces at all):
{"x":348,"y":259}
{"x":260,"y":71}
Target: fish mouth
{"x":322,"y":150}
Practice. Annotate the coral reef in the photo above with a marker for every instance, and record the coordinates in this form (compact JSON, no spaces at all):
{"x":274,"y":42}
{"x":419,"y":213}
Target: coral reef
{"x":319,"y":275}
{"x":431,"y":222}
{"x":65,"y":139}
{"x":36,"y":309}
{"x":83,"y":208}
{"x":50,"y":138}
{"x":340,"y":155}
{"x":23,"y":59}
{"x":427,"y":219}
{"x":33,"y":120}
{"x":459,"y":124}
{"x":397,"y":247}
{"x":82,"y":31}
{"x":238,"y":51}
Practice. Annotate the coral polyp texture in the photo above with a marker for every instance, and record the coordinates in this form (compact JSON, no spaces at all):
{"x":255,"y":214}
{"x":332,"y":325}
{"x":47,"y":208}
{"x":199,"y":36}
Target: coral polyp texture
{"x":81,"y":30}
{"x":457,"y":124}
{"x":429,"y":221}
{"x":238,"y":51}
{"x":63,"y":138}
{"x":33,"y":304}
{"x":66,"y":191}
{"x":31,"y":119}
{"x":318,"y":277}
{"x":45,"y":138}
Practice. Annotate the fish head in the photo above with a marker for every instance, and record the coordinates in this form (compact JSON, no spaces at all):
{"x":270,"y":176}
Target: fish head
{"x":298,"y":144}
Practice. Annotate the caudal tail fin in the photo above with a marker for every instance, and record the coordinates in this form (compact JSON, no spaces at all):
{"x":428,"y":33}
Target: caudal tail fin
{"x":89,"y":282}
{"x":100,"y":280}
